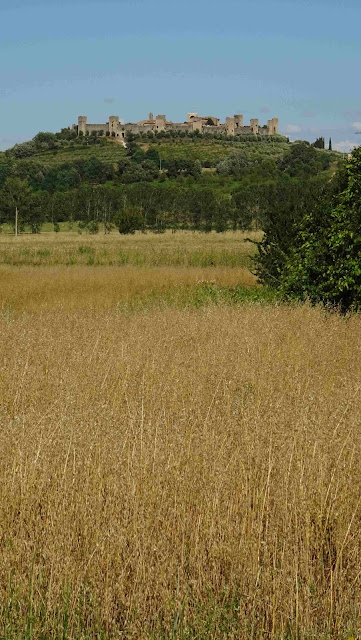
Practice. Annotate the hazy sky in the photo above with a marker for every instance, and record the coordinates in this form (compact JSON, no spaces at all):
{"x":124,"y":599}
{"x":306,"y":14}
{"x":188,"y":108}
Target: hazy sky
{"x":299,"y":60}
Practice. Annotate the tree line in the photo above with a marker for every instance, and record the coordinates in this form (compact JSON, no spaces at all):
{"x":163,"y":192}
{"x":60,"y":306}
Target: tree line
{"x":154,"y":207}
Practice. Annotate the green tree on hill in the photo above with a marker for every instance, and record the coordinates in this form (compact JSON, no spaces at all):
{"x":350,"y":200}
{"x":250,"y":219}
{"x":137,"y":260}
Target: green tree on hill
{"x":319,"y":143}
{"x":303,"y":160}
{"x":5,"y":171}
{"x":15,"y":202}
{"x":45,"y":137}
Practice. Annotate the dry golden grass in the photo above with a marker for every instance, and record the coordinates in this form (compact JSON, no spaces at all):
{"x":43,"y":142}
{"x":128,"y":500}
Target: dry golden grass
{"x":179,"y":474}
{"x":102,"y":288}
{"x":183,"y":248}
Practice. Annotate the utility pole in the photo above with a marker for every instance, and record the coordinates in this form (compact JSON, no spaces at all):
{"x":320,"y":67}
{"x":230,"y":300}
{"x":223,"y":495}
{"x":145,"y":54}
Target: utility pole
{"x":16,"y":221}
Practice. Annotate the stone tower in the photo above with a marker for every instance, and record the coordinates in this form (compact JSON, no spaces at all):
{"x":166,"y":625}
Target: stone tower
{"x":82,"y":122}
{"x":113,"y":124}
{"x":254,"y":125}
{"x":160,"y":122}
{"x":273,"y":126}
{"x":238,"y":121}
{"x":197,"y":125}
{"x":230,"y":126}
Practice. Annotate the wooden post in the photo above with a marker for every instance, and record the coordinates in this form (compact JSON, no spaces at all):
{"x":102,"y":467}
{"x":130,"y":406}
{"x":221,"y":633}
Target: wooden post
{"x":16,"y":221}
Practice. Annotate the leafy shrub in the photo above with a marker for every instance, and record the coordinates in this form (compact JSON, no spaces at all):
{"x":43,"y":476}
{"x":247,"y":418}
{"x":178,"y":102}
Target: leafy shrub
{"x":24,"y":150}
{"x":130,"y":220}
{"x":325,"y":262}
{"x":235,"y":165}
{"x":284,"y":205}
{"x":304,"y":160}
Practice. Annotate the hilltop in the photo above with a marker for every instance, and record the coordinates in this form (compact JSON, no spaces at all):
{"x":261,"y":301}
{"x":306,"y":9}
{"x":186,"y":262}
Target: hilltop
{"x":166,"y":180}
{"x":207,"y":149}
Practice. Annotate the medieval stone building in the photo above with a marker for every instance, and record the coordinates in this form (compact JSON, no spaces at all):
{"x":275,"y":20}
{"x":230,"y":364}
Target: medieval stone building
{"x":232,"y":127}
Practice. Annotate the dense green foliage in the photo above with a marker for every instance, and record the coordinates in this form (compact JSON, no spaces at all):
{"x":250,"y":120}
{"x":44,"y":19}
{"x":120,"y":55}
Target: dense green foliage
{"x":318,"y":255}
{"x":288,"y":204}
{"x":319,"y":143}
{"x":325,"y":263}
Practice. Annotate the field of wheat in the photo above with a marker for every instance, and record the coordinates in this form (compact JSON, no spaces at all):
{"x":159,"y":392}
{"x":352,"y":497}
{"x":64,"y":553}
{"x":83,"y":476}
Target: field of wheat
{"x":172,"y":470}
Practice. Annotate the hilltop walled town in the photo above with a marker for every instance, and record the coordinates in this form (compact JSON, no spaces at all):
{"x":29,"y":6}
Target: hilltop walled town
{"x":233,"y":126}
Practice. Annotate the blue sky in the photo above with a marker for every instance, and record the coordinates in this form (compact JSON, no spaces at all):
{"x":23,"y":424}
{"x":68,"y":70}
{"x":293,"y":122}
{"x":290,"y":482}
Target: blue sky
{"x":299,"y":60}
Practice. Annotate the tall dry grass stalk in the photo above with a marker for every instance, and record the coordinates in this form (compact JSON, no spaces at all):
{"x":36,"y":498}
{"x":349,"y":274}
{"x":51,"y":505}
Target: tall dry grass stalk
{"x":177,"y":474}
{"x":102,"y":288}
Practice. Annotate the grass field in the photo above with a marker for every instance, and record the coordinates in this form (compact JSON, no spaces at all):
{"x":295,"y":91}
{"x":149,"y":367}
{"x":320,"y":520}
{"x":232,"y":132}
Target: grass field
{"x":173,"y":464}
{"x":183,"y":248}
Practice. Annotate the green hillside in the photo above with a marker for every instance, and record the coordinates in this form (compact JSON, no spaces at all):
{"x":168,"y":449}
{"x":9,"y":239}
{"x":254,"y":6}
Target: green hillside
{"x":209,"y":152}
{"x":197,"y":182}
{"x":106,"y":153}
{"x":65,"y":148}
{"x":206,"y":152}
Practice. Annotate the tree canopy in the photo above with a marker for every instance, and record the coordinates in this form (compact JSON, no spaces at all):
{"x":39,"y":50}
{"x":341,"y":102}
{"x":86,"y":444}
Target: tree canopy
{"x":319,"y":256}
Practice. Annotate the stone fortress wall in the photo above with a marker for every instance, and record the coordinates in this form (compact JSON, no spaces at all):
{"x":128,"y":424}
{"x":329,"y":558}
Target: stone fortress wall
{"x":232,"y":127}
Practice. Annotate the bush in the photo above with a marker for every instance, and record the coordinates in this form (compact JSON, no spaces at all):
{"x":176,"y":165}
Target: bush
{"x":45,"y":136}
{"x":304,"y":160}
{"x":130,"y":220}
{"x":282,"y":209}
{"x":24,"y":150}
{"x":325,"y":263}
{"x":235,"y":165}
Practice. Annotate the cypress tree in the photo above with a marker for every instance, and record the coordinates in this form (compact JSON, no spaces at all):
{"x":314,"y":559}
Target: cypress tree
{"x":330,"y":145}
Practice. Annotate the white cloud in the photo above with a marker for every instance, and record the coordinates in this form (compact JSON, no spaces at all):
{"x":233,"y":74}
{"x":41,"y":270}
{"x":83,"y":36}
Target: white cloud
{"x":345,"y":146}
{"x":357,"y":125}
{"x":292,"y":128}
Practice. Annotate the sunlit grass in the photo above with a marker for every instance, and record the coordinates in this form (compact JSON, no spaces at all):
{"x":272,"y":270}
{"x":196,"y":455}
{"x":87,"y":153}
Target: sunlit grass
{"x":178,"y":458}
{"x":179,"y":473}
{"x":103,"y":288}
{"x":184,"y":248}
